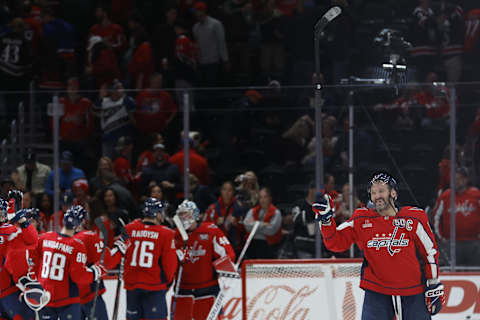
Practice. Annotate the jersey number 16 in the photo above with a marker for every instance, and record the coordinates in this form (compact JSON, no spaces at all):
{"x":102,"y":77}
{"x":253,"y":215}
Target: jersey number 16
{"x":145,"y":258}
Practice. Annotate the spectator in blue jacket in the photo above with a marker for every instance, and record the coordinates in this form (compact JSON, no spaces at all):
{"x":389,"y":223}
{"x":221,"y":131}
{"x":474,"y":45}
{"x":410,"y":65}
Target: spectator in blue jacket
{"x":67,"y":174}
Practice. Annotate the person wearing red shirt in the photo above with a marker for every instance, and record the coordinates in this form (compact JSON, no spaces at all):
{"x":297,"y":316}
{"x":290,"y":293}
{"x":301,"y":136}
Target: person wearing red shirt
{"x":150,"y":263}
{"x":198,"y":164}
{"x":155,"y":107}
{"x":112,"y":33}
{"x":101,"y":62}
{"x":199,"y":282}
{"x":399,"y":251}
{"x":467,"y":217}
{"x":121,"y":165}
{"x":147,"y":157}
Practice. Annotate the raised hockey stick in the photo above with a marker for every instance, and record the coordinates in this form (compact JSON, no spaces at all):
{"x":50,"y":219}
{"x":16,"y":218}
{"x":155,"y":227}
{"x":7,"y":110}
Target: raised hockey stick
{"x":184,"y":235}
{"x":218,"y":304}
{"x":331,"y":14}
{"x":120,"y":274}
{"x":103,"y":230}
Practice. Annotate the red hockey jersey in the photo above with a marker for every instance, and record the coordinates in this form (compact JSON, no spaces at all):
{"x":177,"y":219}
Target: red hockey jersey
{"x":13,"y":241}
{"x":61,"y":262}
{"x":150,"y":260}
{"x":467,"y":217}
{"x":205,"y":244}
{"x":390,"y":246}
{"x":93,"y":246}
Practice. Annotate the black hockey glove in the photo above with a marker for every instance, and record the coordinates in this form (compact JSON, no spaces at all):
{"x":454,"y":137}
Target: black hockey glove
{"x":323,"y":209}
{"x":434,"y":296}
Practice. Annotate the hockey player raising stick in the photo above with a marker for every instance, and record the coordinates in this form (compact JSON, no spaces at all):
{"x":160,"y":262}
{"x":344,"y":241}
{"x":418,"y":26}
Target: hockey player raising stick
{"x":61,"y":259}
{"x":198,"y":283}
{"x":391,"y":238}
{"x":150,"y":263}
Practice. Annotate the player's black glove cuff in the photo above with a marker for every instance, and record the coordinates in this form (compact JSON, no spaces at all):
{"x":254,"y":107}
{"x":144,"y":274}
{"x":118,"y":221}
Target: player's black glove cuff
{"x":25,"y":224}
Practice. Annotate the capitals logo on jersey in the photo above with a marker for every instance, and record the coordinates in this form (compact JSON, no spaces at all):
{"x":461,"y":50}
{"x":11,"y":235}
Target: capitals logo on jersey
{"x":195,"y":252}
{"x":392,"y":241}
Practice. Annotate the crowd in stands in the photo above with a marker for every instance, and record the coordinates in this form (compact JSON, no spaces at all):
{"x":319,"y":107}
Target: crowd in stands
{"x":121,"y":67}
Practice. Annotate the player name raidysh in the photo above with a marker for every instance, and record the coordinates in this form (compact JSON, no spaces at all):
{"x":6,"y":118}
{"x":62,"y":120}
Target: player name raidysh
{"x":144,"y":234}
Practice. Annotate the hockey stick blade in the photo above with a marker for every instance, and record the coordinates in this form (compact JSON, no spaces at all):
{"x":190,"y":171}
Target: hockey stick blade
{"x":181,"y":229}
{"x":331,"y":14}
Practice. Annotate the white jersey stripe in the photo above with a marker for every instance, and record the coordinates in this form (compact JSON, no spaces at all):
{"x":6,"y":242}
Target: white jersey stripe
{"x":429,"y":249}
{"x":218,"y":248}
{"x":438,"y":217}
{"x":346,"y":224}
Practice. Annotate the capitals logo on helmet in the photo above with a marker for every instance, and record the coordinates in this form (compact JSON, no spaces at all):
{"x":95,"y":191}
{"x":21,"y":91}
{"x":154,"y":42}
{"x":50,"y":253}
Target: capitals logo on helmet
{"x":74,"y":217}
{"x":190,"y":207}
{"x":152,"y":207}
{"x":384,"y":178}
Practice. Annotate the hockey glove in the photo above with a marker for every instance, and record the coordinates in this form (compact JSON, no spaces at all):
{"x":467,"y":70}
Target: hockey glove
{"x":15,"y":197}
{"x":19,"y":215}
{"x":434,"y":296}
{"x":98,"y":271}
{"x":323,"y":209}
{"x":121,"y":246}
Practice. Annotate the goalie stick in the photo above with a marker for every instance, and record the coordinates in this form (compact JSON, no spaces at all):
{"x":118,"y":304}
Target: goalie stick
{"x":104,"y":232}
{"x":218,"y":304}
{"x":184,"y":235}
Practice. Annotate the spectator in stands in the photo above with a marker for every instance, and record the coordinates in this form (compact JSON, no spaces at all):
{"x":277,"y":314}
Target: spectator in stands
{"x":15,"y":66}
{"x":155,"y":108}
{"x":6,"y":186}
{"x":67,"y":174}
{"x":329,"y":141}
{"x":112,"y":33}
{"x":111,"y":206}
{"x":185,"y":60}
{"x":80,"y":191}
{"x":213,"y":54}
{"x":125,"y":200}
{"x":147,"y":157}
{"x":198,"y":164}
{"x":342,"y":204}
{"x":467,"y":220}
{"x":116,"y":112}
{"x":44,"y":203}
{"x":163,"y":173}
{"x":247,"y":191}
{"x":200,"y":194}
{"x":77,"y":124}
{"x":304,"y":225}
{"x":101,"y":63}
{"x":32,"y":175}
{"x":226,"y":213}
{"x":268,"y":236}
{"x":97,"y":182}
{"x":163,"y":43}
{"x":451,"y":32}
{"x":56,"y":52}
{"x":27,"y":200}
{"x":141,"y":65}
{"x":296,"y":139}
{"x":121,"y":165}
{"x":424,"y":35}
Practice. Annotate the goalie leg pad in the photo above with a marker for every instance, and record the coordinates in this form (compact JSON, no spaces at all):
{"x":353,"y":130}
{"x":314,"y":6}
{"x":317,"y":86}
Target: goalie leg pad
{"x":184,"y":308}
{"x":202,"y":306}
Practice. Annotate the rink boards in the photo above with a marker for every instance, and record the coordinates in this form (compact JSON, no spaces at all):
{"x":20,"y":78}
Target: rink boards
{"x":462,"y":291}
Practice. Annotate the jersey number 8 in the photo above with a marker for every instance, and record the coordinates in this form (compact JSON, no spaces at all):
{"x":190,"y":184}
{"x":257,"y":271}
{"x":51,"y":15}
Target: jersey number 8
{"x":53,"y":266}
{"x":145,"y":258}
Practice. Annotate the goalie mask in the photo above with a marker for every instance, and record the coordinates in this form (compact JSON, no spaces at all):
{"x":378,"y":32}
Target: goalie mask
{"x":34,"y":295}
{"x":188,"y":213}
